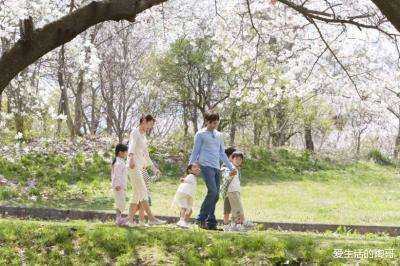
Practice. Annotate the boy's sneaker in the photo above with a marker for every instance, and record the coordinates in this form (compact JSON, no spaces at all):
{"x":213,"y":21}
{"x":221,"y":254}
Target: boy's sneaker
{"x":157,"y":222}
{"x":240,"y":228}
{"x":227,"y":227}
{"x":183,"y":224}
{"x":248,"y":224}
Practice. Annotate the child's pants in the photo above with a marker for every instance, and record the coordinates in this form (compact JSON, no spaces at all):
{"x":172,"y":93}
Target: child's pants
{"x":233,"y":204}
{"x":120,"y":199}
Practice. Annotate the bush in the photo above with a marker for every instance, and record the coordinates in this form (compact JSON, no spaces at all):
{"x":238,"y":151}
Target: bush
{"x":50,"y":168}
{"x":377,"y":156}
{"x":281,"y":164}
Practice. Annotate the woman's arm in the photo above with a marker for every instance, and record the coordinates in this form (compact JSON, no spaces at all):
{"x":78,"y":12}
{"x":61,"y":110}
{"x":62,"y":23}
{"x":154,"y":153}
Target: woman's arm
{"x":131,"y":149}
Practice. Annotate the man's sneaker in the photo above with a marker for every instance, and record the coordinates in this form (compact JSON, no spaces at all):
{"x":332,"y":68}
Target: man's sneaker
{"x":202,"y":224}
{"x":157,"y":222}
{"x":183,"y":224}
{"x":212,"y":227}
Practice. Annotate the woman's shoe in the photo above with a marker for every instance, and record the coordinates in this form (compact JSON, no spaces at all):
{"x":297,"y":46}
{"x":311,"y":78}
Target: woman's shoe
{"x":157,"y":222}
{"x":182,"y":224}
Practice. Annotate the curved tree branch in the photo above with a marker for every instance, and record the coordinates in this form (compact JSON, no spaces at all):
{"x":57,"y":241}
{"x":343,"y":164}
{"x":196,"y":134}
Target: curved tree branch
{"x":63,"y":30}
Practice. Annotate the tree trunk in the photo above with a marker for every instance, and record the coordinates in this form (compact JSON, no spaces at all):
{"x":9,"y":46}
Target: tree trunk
{"x":308,"y":138}
{"x":195,"y":118}
{"x":64,"y":101}
{"x":232,"y":135}
{"x":257,"y":134}
{"x":185,"y":120}
{"x":94,"y":121}
{"x":358,"y":145}
{"x":397,"y":143}
{"x":232,"y":132}
{"x":78,"y":105}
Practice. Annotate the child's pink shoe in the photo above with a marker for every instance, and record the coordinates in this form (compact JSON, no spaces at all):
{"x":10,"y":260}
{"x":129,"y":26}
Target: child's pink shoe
{"x":121,"y":221}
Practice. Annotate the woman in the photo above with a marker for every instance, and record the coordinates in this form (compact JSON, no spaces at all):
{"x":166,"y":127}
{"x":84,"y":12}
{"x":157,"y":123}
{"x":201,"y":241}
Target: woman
{"x":139,"y":159}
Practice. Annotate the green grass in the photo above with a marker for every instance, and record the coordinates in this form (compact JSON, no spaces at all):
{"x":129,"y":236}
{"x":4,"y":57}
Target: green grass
{"x":93,"y":243}
{"x":281,"y":186}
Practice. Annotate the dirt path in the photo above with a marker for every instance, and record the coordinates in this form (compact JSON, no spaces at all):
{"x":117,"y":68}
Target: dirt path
{"x":62,"y":215}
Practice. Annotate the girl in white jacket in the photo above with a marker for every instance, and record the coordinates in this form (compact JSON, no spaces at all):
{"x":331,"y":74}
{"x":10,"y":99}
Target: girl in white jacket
{"x":184,"y":195}
{"x":119,"y":173}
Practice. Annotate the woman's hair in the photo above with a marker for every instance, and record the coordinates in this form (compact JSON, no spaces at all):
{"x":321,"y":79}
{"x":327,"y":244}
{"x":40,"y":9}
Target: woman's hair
{"x":119,"y":148}
{"x":147,"y":118}
{"x":229,"y":151}
{"x":211,"y":117}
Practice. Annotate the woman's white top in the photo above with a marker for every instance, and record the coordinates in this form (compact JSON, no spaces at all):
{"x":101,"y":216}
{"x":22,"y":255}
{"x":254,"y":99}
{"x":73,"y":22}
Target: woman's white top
{"x":188,"y":186}
{"x":138,"y":147}
{"x":119,"y":173}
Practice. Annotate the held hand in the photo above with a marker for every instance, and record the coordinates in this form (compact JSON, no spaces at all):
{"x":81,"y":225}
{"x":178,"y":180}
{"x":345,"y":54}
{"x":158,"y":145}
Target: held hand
{"x":118,"y":188}
{"x":182,"y":179}
{"x":156,"y":171}
{"x":233,"y":172}
{"x":131,"y":163}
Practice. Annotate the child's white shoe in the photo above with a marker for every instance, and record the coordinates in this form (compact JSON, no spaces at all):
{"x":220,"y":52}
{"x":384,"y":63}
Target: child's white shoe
{"x":157,"y":222}
{"x":182,"y":224}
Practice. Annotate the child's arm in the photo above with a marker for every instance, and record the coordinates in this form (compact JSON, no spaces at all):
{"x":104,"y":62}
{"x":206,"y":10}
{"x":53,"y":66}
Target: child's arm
{"x":118,"y":175}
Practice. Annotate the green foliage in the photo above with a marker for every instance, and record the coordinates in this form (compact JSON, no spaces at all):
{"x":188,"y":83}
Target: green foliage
{"x":72,"y":243}
{"x":281,"y":164}
{"x":377,"y":156}
{"x":52,"y":168}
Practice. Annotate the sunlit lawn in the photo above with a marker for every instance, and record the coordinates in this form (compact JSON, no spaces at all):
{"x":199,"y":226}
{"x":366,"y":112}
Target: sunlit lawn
{"x":363,"y":193}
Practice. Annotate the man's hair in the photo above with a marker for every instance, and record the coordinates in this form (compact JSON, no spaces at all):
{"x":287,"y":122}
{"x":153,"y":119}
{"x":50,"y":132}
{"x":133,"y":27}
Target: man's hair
{"x":147,"y":118}
{"x":211,"y":117}
{"x":229,"y":151}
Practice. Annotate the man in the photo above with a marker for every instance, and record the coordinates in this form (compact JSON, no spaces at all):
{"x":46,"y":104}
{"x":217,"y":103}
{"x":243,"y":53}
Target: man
{"x":208,"y":151}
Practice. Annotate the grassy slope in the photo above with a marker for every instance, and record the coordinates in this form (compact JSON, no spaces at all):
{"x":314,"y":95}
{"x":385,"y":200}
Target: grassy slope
{"x":279,"y":186}
{"x":79,"y":242}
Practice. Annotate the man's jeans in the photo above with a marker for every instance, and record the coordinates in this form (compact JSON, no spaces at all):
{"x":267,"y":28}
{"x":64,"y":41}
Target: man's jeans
{"x":211,"y":177}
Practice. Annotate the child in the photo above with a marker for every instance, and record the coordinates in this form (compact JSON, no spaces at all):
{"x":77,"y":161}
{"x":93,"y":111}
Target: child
{"x":230,"y":192}
{"x":229,"y":151}
{"x":185,"y":193}
{"x":119,"y":174}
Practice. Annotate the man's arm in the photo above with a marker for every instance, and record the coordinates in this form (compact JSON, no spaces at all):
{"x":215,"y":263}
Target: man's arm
{"x":196,"y":149}
{"x":224,"y":157}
